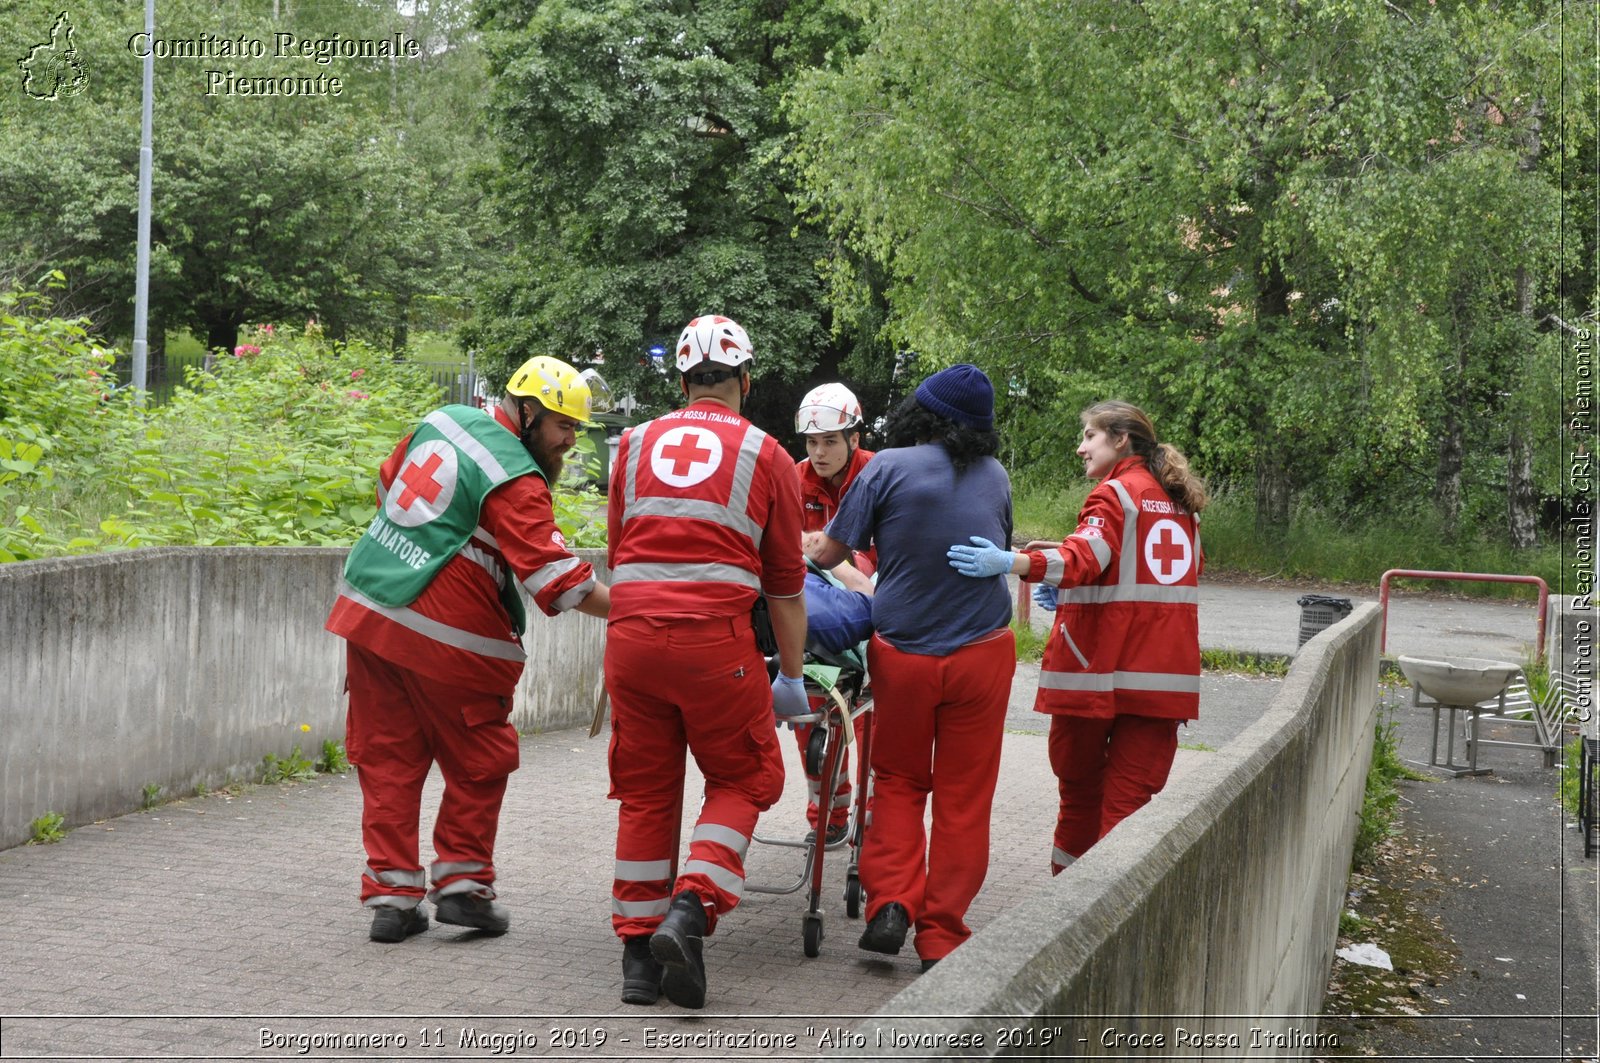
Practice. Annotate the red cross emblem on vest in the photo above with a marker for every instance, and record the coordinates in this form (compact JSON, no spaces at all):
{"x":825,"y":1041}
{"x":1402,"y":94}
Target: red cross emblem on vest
{"x":1168,"y":554}
{"x":685,"y":455}
{"x":425,"y":486}
{"x":419,"y":481}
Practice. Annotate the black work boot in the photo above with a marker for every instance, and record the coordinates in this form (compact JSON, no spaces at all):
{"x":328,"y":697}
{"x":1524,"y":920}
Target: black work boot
{"x":676,"y":945}
{"x":886,"y":931}
{"x":467,"y":909}
{"x":396,"y":924}
{"x":641,"y":973}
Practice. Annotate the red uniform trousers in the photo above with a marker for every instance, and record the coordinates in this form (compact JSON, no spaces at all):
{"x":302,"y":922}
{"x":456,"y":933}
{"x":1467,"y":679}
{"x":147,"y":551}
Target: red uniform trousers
{"x":1106,"y":769}
{"x":839,"y":813}
{"x":695,"y":684}
{"x":398,"y":724}
{"x":942,"y":719}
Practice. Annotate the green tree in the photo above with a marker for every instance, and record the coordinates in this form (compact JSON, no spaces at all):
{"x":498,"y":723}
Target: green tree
{"x":1275,"y":226}
{"x":643,"y":171}
{"x":343,"y":207}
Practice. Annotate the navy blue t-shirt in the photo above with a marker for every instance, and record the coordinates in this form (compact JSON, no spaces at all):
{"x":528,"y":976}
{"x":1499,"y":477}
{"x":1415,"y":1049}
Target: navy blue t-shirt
{"x":913,"y":504}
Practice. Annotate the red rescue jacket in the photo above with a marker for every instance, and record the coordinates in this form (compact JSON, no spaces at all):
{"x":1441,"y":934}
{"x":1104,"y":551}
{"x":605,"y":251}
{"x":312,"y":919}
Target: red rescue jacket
{"x":1126,"y":637}
{"x":703,"y":513}
{"x":820,"y":501}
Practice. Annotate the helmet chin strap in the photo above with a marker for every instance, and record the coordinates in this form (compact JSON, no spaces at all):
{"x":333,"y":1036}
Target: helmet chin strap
{"x":529,"y":427}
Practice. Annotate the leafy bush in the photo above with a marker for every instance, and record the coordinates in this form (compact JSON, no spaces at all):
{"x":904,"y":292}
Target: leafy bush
{"x":47,"y":829}
{"x":295,"y":767}
{"x":333,"y":760}
{"x":278,"y":444}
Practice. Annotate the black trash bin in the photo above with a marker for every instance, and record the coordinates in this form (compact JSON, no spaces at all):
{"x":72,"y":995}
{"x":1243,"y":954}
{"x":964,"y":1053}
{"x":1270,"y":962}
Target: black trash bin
{"x":1318,"y":612}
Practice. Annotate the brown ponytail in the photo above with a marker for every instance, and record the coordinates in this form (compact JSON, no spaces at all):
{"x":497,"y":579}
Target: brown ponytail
{"x":1167,"y":463}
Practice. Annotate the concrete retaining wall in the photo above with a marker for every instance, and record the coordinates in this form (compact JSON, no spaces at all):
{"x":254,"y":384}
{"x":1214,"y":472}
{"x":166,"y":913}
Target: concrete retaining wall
{"x":1206,"y":916}
{"x":178,"y":667}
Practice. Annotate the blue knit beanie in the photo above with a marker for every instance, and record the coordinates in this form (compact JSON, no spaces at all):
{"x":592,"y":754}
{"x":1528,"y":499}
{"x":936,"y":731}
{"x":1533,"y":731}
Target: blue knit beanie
{"x":961,"y":393}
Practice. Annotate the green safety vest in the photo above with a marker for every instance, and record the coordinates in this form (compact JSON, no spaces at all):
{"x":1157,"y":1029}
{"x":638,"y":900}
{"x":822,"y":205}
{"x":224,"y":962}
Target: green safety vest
{"x":456,"y":457}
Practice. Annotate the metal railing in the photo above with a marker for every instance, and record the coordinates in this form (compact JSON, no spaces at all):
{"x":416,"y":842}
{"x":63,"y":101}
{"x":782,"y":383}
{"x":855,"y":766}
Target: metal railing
{"x":1479,"y":577}
{"x":162,"y":378}
{"x":459,"y":380}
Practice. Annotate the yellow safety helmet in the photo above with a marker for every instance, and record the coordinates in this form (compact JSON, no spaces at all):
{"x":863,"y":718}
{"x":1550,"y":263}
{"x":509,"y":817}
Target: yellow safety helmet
{"x":557,"y":386}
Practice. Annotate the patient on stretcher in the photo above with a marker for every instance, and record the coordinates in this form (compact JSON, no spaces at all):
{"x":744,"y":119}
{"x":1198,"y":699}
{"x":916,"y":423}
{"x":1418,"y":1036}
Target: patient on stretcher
{"x":838,"y":609}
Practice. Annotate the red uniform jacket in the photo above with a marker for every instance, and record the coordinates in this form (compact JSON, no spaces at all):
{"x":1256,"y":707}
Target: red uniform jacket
{"x":1126,"y":638}
{"x":821,"y":501}
{"x":704,"y":512}
{"x":457,"y":630}
{"x":819,"y":497}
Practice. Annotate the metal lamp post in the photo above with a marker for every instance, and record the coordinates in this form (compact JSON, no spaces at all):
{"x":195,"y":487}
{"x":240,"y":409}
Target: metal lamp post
{"x":141,"y":283}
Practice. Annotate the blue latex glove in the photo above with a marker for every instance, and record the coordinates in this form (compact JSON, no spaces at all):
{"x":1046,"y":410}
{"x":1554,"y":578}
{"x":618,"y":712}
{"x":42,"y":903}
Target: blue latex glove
{"x":789,"y":696}
{"x":981,"y":559}
{"x":1044,"y":596}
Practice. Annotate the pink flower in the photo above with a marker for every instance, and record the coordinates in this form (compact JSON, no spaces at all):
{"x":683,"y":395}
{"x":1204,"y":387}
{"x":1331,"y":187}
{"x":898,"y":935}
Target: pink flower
{"x":266,"y":329}
{"x":357,"y":374}
{"x":357,"y":394}
{"x":246,"y":349}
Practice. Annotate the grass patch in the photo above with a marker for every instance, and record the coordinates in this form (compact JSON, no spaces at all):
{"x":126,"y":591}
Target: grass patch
{"x":1571,"y":777}
{"x":1318,"y":545}
{"x":47,"y":829}
{"x":1387,"y":909}
{"x":1331,"y":547}
{"x":1378,"y":804}
{"x":1030,"y":642}
{"x":1044,"y":511}
{"x":434,"y":347}
{"x":1270,"y":665}
{"x":184,"y":345}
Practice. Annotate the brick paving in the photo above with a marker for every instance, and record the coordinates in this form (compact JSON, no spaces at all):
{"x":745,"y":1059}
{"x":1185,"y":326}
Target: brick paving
{"x":190,"y":929}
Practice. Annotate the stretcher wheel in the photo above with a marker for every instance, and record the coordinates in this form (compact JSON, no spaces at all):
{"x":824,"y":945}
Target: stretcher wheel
{"x":816,"y":746}
{"x":813,"y":935}
{"x":852,"y":897}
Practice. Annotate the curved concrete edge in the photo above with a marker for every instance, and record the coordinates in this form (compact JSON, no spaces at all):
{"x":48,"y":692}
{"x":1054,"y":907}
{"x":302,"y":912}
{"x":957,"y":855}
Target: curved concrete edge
{"x":177,"y":667}
{"x":1204,"y":924}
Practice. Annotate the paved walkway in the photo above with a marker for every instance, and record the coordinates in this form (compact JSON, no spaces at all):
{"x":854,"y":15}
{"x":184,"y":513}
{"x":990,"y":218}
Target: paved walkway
{"x":226,"y":926}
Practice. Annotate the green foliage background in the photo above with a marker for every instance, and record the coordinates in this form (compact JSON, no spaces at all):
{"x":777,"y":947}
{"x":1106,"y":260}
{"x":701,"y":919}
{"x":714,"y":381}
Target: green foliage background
{"x":1337,"y":249}
{"x":279,"y":447}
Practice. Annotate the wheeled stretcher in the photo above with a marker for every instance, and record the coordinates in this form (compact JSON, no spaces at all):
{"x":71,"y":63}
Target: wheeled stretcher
{"x":836,"y":685}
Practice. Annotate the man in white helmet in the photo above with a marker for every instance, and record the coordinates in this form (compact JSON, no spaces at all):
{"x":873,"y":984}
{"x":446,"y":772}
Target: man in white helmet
{"x":431,"y":610}
{"x":704,"y":515}
{"x":830,"y":418}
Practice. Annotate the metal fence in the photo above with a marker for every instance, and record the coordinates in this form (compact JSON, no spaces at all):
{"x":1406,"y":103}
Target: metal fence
{"x":459,"y":380}
{"x":161,"y":378}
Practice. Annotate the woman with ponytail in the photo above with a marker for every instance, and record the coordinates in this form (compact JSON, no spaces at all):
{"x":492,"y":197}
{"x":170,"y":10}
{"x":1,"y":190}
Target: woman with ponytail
{"x":1122,"y":665}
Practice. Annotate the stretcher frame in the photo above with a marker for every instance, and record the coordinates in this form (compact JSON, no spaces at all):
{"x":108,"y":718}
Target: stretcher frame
{"x":847,"y":701}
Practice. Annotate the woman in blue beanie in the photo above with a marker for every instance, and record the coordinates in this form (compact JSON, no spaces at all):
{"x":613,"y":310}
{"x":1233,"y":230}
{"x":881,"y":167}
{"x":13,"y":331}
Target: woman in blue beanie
{"x":941,"y":661}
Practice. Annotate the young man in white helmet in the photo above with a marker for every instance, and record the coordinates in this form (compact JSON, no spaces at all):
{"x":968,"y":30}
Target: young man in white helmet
{"x":431,"y":610}
{"x":703,"y":515}
{"x":830,"y":418}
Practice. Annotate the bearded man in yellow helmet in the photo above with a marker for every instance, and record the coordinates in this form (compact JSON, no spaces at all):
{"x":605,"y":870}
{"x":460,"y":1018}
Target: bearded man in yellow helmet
{"x":431,"y":610}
